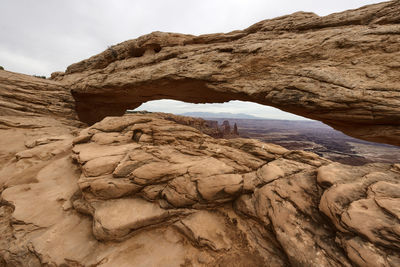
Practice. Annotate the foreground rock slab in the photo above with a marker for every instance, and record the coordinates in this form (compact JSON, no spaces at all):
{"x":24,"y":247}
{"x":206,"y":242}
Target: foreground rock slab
{"x":113,"y":193}
{"x":114,"y":219}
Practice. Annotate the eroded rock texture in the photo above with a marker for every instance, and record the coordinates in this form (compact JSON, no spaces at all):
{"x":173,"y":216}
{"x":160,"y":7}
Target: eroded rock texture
{"x":25,"y":95}
{"x":342,"y":69}
{"x":142,"y":190}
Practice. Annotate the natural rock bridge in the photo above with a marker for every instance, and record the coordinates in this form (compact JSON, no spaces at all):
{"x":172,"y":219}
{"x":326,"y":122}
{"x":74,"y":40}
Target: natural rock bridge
{"x":342,"y":69}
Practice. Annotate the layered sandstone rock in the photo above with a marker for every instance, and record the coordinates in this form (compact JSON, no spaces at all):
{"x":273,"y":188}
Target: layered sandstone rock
{"x":128,"y":186}
{"x":25,"y":95}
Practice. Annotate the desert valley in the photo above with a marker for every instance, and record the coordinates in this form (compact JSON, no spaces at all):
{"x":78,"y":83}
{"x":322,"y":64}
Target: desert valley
{"x":311,"y":136}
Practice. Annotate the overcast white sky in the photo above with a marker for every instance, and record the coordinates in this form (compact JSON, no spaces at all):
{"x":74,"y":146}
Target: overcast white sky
{"x":43,"y":36}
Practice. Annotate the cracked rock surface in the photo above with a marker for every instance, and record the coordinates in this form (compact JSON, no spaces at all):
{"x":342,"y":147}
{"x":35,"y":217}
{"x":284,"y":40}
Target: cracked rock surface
{"x":117,"y":192}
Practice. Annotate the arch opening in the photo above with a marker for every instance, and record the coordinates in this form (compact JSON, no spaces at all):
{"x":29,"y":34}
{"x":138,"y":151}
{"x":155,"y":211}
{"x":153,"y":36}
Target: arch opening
{"x":93,"y":105}
{"x":272,"y":125}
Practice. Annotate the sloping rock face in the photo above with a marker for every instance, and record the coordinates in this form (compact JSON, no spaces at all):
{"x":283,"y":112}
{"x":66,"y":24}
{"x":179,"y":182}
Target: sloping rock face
{"x":141,"y":190}
{"x":342,"y":69}
{"x":24,"y":95}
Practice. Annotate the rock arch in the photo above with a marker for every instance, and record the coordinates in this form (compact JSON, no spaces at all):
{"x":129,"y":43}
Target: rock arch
{"x":342,"y":69}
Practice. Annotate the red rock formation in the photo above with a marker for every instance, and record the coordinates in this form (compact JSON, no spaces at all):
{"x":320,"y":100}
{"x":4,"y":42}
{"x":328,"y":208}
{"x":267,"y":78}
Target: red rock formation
{"x":235,"y":130}
{"x":226,"y":128}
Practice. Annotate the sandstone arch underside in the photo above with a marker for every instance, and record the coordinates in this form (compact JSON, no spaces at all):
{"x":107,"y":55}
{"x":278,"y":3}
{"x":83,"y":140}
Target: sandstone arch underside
{"x":342,"y":69}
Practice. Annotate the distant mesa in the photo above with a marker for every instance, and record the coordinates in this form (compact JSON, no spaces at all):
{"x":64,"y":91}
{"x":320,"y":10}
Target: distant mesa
{"x":225,"y":130}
